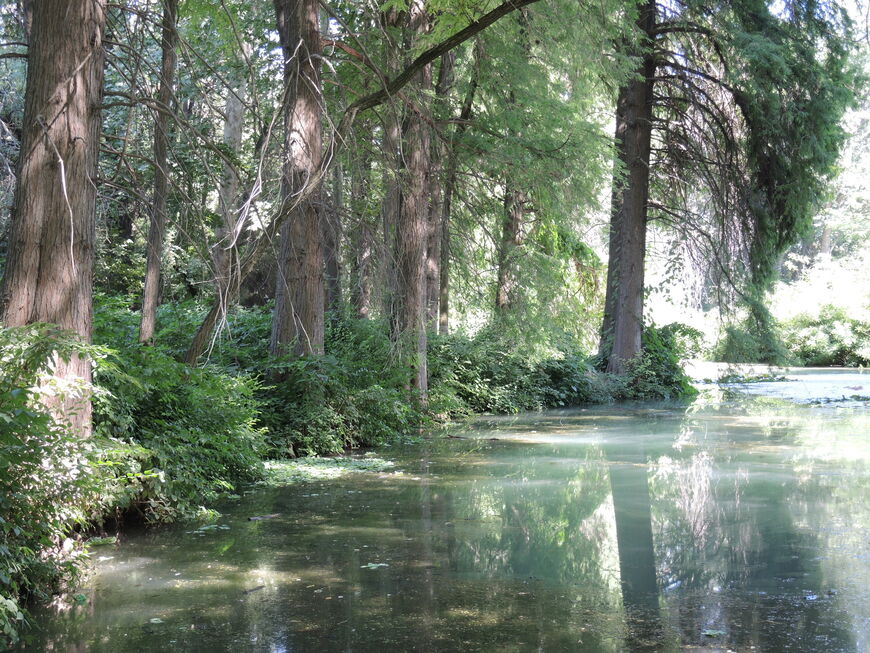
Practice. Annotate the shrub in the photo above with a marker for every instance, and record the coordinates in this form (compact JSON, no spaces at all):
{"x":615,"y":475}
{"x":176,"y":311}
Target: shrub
{"x":352,"y":397}
{"x":831,"y":338}
{"x":485,"y":374}
{"x":754,"y":340}
{"x":47,"y":481}
{"x":197,"y":426}
{"x":657,"y":373}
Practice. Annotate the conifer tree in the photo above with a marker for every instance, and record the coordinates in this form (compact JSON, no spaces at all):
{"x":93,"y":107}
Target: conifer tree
{"x":49,"y":273}
{"x":737,"y":110}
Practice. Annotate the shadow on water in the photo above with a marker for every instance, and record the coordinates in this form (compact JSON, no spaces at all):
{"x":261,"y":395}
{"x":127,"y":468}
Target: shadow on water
{"x":724,"y":525}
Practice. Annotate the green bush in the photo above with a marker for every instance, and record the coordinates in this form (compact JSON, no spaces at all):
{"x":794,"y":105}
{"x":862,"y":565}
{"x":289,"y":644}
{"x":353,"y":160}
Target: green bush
{"x":197,"y":426}
{"x":754,"y":340}
{"x":352,"y":397}
{"x":657,"y":373}
{"x":831,"y":338}
{"x":48,"y":484}
{"x":485,"y":374}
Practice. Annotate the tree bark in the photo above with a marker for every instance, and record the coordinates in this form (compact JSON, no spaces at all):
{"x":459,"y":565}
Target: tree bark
{"x":49,"y":274}
{"x":26,"y":18}
{"x":449,"y":189}
{"x":332,"y":231}
{"x":512,"y":222}
{"x":228,"y":235}
{"x":391,"y":180}
{"x":434,"y":233}
{"x":411,"y":232}
{"x":436,"y":213}
{"x":623,"y":324}
{"x":157,"y":227}
{"x":514,"y":202}
{"x":298,"y":321}
{"x":362,"y":238}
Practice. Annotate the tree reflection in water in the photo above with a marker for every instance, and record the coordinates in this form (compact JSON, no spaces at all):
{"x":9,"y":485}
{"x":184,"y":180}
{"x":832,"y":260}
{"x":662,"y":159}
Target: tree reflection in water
{"x":637,"y":568}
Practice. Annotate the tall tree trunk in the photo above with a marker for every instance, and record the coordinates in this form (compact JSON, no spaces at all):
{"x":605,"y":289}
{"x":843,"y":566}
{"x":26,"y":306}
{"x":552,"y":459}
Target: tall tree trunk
{"x":433,"y":238}
{"x":229,"y":234}
{"x":449,"y":189}
{"x":623,"y":325}
{"x":26,"y":18}
{"x":151,"y":293}
{"x":411,"y":234}
{"x":444,"y":267}
{"x":362,"y":238}
{"x":298,"y":317}
{"x":436,"y":214}
{"x":512,"y":222}
{"x":614,"y":236}
{"x":514,"y":202}
{"x":391,"y":179}
{"x":825,"y":240}
{"x":332,"y":231}
{"x":49,"y":274}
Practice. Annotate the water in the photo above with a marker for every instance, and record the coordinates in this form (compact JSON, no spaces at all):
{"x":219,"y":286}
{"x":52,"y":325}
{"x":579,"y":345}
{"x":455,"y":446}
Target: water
{"x":809,"y":385}
{"x":733,"y":523}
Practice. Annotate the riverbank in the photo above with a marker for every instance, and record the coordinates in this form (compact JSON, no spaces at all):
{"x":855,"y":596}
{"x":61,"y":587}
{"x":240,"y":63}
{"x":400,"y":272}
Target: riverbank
{"x":169,"y":440}
{"x":521,"y":531}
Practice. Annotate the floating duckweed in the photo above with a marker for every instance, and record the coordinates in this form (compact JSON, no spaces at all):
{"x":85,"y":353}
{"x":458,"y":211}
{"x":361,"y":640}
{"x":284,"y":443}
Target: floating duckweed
{"x":287,"y":472}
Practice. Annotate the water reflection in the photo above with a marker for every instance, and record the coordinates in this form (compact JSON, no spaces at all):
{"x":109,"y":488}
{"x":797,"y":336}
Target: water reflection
{"x":637,"y":568}
{"x":725,"y":524}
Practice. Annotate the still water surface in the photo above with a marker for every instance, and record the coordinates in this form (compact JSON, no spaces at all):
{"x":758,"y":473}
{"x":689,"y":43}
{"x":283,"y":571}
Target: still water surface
{"x":732,"y":523}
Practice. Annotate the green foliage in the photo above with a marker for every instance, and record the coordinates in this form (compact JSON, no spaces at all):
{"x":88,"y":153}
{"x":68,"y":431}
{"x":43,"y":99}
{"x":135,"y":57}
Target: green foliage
{"x":352,"y":397}
{"x":486,"y":374}
{"x":118,"y":269}
{"x":754,"y":340}
{"x":657,"y":373}
{"x":197,"y":426}
{"x":794,"y":137}
{"x":47,"y":482}
{"x":831,"y":338}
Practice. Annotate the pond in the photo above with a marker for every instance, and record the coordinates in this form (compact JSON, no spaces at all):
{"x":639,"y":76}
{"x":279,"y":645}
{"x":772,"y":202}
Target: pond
{"x":731,"y":523}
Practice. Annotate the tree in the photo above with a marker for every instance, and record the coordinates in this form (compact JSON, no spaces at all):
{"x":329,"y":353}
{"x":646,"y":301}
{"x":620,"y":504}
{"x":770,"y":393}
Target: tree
{"x":531,"y":158}
{"x":435,"y":230}
{"x":156,"y":231}
{"x":411,"y":231}
{"x":623,"y":306}
{"x":450,"y":180}
{"x":49,"y":272}
{"x":389,"y":88}
{"x":739,"y":122}
{"x":298,"y":320}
